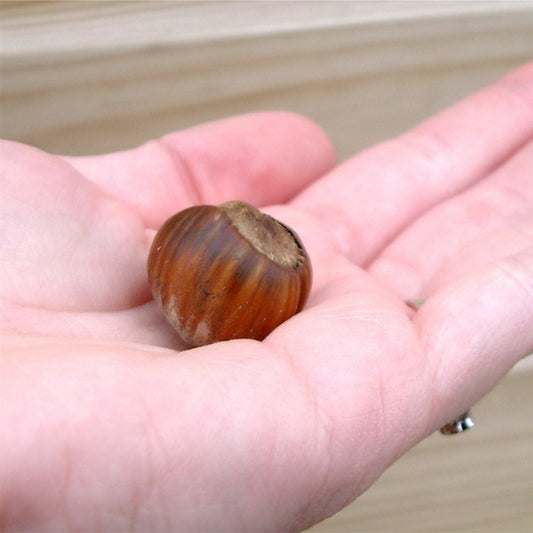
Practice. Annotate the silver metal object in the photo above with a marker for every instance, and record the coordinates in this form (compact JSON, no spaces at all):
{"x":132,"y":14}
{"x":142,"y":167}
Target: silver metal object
{"x":461,"y":423}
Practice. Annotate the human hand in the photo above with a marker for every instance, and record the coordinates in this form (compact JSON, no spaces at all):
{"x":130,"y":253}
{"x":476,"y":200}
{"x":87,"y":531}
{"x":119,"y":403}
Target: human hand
{"x":112,"y":427}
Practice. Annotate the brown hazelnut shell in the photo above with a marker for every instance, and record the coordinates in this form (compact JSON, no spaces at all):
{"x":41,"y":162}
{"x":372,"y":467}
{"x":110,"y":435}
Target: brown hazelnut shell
{"x":227,"y":272}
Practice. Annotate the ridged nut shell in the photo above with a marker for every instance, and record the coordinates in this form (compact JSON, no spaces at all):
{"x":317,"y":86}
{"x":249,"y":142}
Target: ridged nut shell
{"x":227,"y":272}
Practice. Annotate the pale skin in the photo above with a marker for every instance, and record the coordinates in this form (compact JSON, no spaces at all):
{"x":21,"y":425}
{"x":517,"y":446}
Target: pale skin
{"x":109,"y":424}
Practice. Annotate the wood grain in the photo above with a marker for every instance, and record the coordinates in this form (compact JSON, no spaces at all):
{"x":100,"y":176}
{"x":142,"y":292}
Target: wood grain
{"x":89,"y":77}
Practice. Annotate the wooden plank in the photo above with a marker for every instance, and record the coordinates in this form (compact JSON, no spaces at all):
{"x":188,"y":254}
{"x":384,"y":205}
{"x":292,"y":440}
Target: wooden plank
{"x":89,"y":24}
{"x":363,"y":79}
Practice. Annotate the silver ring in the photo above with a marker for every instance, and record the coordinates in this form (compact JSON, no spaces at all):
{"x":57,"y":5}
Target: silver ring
{"x":460,"y":424}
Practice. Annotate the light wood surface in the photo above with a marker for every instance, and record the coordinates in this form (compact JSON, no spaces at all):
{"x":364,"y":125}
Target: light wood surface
{"x":87,"y":77}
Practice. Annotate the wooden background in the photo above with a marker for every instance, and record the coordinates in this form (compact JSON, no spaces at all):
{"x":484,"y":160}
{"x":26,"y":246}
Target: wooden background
{"x":88,"y":77}
{"x":91,"y":76}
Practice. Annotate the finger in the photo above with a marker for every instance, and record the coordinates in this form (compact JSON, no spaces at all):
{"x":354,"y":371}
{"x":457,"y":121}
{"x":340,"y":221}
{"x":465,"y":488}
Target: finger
{"x":65,"y":244}
{"x":477,"y":254}
{"x":372,"y":197}
{"x":474,"y":330}
{"x":504,"y":198}
{"x":262,"y":158}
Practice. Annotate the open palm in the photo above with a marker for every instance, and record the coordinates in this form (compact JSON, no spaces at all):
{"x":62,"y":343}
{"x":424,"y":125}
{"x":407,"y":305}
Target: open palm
{"x":115,"y":425}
